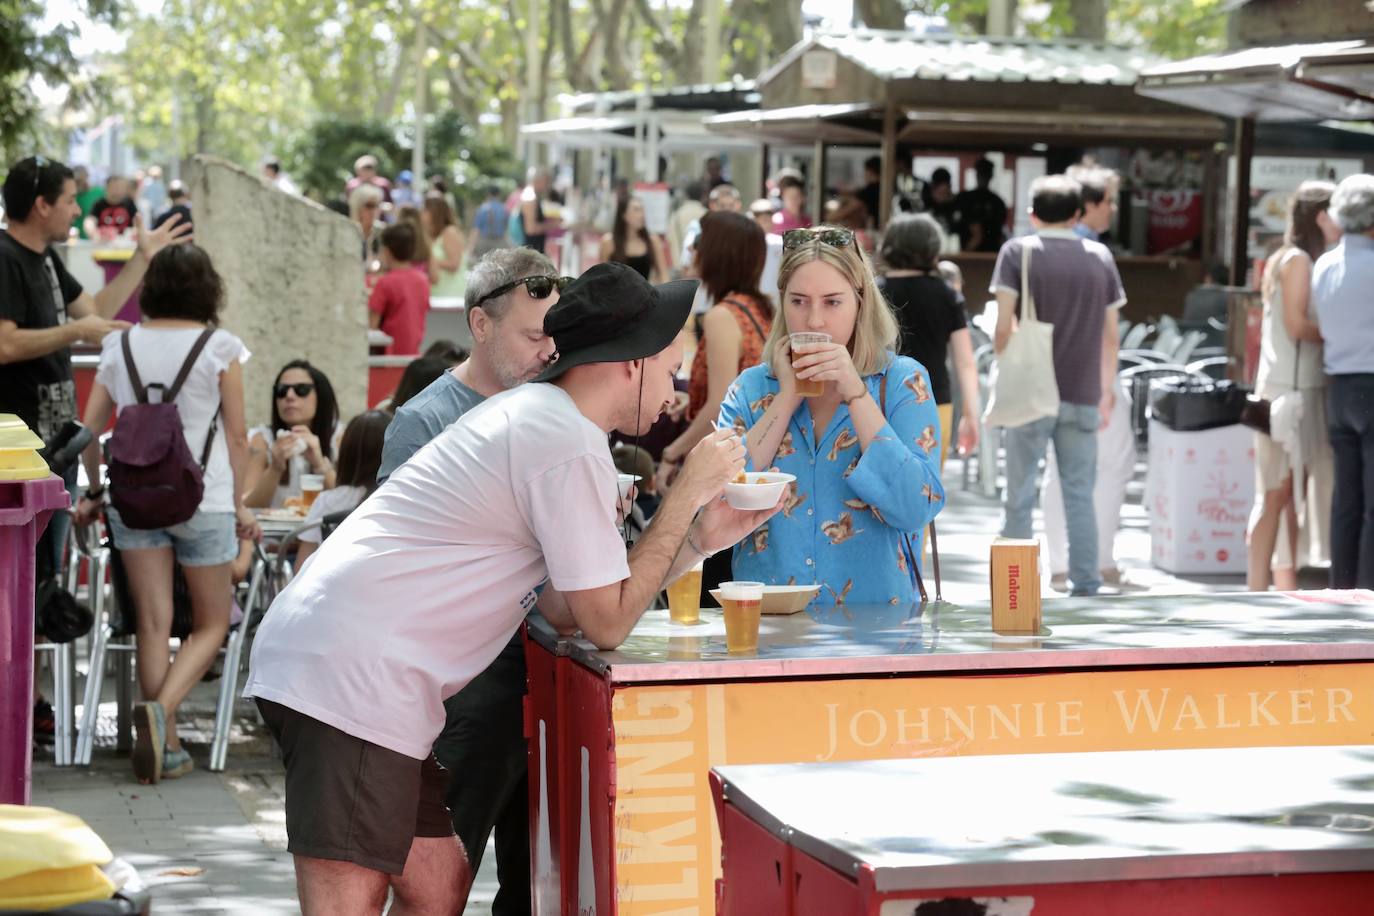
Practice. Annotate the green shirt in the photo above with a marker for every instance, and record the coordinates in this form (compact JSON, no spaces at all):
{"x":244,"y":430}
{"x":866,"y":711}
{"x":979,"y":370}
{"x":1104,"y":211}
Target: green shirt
{"x":86,"y":200}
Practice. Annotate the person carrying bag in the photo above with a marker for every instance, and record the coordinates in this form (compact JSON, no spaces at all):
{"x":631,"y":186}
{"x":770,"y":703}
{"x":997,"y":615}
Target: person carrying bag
{"x":1022,"y":386}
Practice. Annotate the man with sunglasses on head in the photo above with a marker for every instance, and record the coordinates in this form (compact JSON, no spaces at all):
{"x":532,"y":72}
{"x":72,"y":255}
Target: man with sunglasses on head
{"x":508,"y":293}
{"x":44,"y":310}
{"x":419,"y":590}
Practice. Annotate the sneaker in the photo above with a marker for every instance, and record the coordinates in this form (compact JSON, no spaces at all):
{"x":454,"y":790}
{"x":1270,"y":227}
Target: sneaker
{"x":176,"y":763}
{"x":1060,"y":582}
{"x":150,"y":723}
{"x":44,"y":723}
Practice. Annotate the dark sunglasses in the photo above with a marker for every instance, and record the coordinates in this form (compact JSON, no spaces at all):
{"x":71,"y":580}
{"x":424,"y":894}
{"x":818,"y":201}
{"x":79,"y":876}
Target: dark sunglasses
{"x":302,"y":389}
{"x":537,"y":287}
{"x":835,"y":238}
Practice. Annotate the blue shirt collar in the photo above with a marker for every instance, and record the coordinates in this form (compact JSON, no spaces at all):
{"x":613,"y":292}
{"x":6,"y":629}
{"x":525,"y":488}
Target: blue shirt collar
{"x":1357,"y":240}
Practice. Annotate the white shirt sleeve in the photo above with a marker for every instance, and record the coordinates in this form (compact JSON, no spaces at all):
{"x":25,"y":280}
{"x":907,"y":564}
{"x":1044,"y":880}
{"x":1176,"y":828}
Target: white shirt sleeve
{"x":572,"y":512}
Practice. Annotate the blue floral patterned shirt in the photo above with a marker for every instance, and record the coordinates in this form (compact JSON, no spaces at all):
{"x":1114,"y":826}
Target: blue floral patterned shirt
{"x":853,"y":517}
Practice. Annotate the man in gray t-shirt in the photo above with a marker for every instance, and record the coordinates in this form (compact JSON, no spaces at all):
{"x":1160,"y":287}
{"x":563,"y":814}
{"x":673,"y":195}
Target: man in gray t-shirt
{"x":1076,"y":287}
{"x":508,"y":292}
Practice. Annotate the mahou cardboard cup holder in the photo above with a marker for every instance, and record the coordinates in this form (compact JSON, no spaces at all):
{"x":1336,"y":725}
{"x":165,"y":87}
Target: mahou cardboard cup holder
{"x":1015,"y":574}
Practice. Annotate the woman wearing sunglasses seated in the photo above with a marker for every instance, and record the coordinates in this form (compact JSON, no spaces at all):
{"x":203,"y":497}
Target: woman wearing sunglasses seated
{"x":865,"y":451}
{"x":302,"y":439}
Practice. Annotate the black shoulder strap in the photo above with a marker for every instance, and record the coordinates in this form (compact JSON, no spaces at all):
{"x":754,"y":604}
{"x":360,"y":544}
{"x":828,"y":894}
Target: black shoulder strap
{"x":934,"y":546}
{"x":140,"y":392}
{"x":748,"y":313}
{"x":190,"y":361}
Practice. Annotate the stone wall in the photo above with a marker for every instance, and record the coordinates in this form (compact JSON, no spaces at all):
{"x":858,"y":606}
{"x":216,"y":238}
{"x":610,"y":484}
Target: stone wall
{"x":293,"y":282}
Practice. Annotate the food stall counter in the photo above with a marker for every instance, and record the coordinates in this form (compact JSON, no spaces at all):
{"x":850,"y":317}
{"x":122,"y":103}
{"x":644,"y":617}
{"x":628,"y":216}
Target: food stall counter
{"x":622,"y":741}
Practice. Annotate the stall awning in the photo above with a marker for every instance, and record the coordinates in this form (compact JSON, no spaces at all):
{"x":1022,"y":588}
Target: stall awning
{"x":1087,"y":128}
{"x":841,"y":123}
{"x":584,"y":133}
{"x":1308,"y":82}
{"x":677,"y":132}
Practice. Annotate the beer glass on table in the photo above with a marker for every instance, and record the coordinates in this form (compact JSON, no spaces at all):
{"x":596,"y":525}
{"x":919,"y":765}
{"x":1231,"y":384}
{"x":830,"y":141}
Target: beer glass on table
{"x":742,"y":603}
{"x":684,"y":597}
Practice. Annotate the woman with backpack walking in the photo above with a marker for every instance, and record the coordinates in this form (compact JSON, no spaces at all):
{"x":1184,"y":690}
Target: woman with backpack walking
{"x":177,"y":477}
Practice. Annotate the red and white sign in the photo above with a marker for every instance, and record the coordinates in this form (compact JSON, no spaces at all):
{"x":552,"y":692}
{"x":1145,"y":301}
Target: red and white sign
{"x":1175,"y":220}
{"x":1199,"y":488}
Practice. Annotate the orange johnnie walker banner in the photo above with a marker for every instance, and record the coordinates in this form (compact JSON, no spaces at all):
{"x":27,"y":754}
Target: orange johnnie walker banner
{"x":667,"y":738}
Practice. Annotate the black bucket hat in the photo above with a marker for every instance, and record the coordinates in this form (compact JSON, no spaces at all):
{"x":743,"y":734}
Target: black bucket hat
{"x":611,"y":314}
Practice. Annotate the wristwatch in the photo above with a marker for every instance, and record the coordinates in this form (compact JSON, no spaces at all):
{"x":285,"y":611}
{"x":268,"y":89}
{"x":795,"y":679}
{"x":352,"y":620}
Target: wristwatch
{"x":95,"y":493}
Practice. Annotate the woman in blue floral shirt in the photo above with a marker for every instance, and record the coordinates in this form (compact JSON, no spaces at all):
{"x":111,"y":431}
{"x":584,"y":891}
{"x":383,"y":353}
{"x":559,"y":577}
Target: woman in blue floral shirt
{"x":865,"y":453}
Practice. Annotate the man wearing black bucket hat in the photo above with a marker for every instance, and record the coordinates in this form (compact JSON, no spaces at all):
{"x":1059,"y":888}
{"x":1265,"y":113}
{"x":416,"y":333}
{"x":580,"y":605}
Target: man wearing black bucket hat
{"x":423,"y":584}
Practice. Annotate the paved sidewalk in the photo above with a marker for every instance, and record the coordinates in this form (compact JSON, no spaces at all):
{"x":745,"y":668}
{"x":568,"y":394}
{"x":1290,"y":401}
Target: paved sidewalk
{"x":215,"y":842}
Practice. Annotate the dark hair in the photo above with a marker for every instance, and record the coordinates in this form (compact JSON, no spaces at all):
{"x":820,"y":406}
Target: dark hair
{"x":912,"y":242}
{"x":941,"y":176}
{"x":874,"y":163}
{"x":418,"y":376}
{"x":440,"y":213}
{"x":181,"y":282}
{"x":1310,"y":200}
{"x":621,"y":230}
{"x":21,"y":191}
{"x":176,"y":192}
{"x":326,"y":405}
{"x":448,"y":351}
{"x":790,"y":178}
{"x":1055,"y":198}
{"x":272,"y":166}
{"x":695,"y":190}
{"x":360,"y":450}
{"x":731,"y":251}
{"x":493,"y":191}
{"x":399,"y":239}
{"x":1218,"y":273}
{"x":338,"y":205}
{"x":420,"y":249}
{"x":984,"y":168}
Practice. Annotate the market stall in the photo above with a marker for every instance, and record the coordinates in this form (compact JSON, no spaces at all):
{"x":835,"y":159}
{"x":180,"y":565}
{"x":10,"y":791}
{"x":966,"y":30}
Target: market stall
{"x":621,"y":742}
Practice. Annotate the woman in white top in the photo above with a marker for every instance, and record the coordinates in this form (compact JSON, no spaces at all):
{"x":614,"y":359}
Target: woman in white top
{"x":360,"y":455}
{"x":1290,"y":360}
{"x":302,"y":439}
{"x":181,"y":298}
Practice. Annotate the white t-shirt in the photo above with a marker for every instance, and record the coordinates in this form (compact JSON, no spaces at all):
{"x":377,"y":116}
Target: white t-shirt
{"x":339,"y":499}
{"x":158,"y":355}
{"x":295,"y":466}
{"x":424,"y":584}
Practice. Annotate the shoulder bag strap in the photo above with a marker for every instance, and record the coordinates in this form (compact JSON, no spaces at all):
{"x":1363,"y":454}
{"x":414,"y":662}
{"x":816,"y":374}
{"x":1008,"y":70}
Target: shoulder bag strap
{"x":934,"y":546}
{"x":140,"y":392}
{"x":1027,"y":300}
{"x":748,"y":313}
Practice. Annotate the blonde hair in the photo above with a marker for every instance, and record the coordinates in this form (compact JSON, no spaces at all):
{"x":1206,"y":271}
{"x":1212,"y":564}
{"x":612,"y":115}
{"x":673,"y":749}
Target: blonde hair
{"x":875,"y":327}
{"x":362,"y":194}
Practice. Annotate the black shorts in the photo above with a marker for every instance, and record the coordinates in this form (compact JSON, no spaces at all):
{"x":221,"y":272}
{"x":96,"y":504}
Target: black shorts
{"x":352,"y":800}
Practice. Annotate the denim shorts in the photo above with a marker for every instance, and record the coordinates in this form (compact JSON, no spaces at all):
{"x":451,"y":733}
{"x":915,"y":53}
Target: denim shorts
{"x":205,"y":539}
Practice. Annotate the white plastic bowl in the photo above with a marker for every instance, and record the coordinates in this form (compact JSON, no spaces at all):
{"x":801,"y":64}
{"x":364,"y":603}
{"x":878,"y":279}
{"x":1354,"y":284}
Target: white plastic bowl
{"x":761,"y":492}
{"x":627,"y":481}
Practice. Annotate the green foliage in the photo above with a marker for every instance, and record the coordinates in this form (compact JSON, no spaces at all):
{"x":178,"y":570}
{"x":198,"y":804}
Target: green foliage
{"x":322,"y":160}
{"x":27,"y":54}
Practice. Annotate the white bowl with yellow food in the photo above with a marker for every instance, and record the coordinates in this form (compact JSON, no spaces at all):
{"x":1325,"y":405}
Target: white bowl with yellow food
{"x":757,"y":489}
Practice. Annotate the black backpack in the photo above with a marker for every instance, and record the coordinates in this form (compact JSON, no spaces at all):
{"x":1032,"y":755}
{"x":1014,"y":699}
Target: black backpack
{"x":154,"y":480}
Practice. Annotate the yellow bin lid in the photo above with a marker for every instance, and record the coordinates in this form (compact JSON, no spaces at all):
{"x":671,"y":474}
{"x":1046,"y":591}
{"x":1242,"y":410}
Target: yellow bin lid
{"x":19,"y":448}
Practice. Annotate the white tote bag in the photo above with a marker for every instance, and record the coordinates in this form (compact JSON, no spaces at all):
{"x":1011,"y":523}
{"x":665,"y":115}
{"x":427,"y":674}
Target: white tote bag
{"x":1022,"y":385}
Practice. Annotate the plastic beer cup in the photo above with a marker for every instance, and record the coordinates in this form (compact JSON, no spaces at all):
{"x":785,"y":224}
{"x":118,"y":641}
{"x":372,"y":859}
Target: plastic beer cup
{"x":684,"y":597}
{"x":311,"y":485}
{"x":808,"y":388}
{"x":742,"y":603}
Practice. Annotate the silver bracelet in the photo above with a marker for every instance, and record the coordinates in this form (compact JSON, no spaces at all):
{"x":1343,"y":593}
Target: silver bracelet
{"x":693,"y":544}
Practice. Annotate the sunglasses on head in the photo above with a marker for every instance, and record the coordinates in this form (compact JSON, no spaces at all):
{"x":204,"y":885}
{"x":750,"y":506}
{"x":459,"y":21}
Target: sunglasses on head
{"x":39,"y":164}
{"x":835,"y":238}
{"x":537,"y":287}
{"x":302,"y":389}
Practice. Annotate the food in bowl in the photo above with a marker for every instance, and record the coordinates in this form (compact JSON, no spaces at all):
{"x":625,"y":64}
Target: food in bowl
{"x":758,"y":490}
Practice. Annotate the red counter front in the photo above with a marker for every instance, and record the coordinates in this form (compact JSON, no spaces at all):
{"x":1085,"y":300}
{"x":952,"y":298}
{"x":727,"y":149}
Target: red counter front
{"x":622,"y":742}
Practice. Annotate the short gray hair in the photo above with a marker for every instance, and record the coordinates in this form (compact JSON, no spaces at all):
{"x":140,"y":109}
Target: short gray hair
{"x":496,"y":269}
{"x":1352,"y":206}
{"x":912,"y":242}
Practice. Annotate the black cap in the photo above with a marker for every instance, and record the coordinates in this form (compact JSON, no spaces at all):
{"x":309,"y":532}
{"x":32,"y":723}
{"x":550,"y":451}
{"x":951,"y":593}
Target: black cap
{"x":611,"y":314}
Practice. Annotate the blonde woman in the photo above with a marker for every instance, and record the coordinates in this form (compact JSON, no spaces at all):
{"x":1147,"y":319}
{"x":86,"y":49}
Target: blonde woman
{"x":865,"y":452}
{"x":1290,"y":359}
{"x":364,"y":207}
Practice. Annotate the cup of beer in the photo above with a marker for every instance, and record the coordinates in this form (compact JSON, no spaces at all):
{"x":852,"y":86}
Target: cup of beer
{"x":311,"y":485}
{"x":684,"y":597}
{"x":807,"y":387}
{"x":742,"y":603}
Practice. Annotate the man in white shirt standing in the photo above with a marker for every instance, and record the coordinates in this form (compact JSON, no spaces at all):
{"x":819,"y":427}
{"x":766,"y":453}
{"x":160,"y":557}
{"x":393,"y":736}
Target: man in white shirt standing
{"x":423,"y":585}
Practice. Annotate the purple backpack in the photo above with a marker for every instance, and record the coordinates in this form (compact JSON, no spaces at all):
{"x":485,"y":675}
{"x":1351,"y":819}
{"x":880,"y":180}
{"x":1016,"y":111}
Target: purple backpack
{"x":154,"y":480}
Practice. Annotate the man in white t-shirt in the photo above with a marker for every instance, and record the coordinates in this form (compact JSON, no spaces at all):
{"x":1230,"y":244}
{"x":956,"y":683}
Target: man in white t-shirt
{"x":421,"y":587}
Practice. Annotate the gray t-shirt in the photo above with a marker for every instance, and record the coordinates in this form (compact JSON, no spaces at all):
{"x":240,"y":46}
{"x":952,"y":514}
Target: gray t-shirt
{"x":422,"y":418}
{"x":1073,"y":282}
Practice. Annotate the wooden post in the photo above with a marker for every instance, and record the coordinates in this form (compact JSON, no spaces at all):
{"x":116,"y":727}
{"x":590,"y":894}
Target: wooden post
{"x":887,"y":177}
{"x":818,"y":182}
{"x":1240,"y":214}
{"x":763,"y":170}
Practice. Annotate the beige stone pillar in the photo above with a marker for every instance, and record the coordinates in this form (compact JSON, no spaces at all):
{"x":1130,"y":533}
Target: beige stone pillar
{"x":293,"y":280}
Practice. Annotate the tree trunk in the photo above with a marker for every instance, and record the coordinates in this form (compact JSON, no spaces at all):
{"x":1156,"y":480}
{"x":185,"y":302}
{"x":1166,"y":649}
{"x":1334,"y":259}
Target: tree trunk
{"x":617,"y":74}
{"x":881,"y":14}
{"x":1089,"y":19}
{"x":784,"y":25}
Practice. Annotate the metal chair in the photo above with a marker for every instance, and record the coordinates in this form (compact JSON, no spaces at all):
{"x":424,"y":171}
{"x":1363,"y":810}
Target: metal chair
{"x":1190,"y":342}
{"x":95,"y":555}
{"x":1135,"y":337}
{"x":1214,"y":367}
{"x":262,"y":588}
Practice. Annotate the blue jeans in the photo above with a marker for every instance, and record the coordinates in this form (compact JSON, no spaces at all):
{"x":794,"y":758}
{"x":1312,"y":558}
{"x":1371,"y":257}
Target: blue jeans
{"x":1350,"y":423}
{"x":1074,"y":433}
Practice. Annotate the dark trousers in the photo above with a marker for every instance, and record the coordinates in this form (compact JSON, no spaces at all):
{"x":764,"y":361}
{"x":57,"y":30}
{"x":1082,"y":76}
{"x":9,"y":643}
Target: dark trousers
{"x":483,"y":748}
{"x":1350,"y":421}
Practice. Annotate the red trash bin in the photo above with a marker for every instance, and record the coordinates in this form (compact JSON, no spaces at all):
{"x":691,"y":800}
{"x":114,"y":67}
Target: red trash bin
{"x":29,"y":495}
